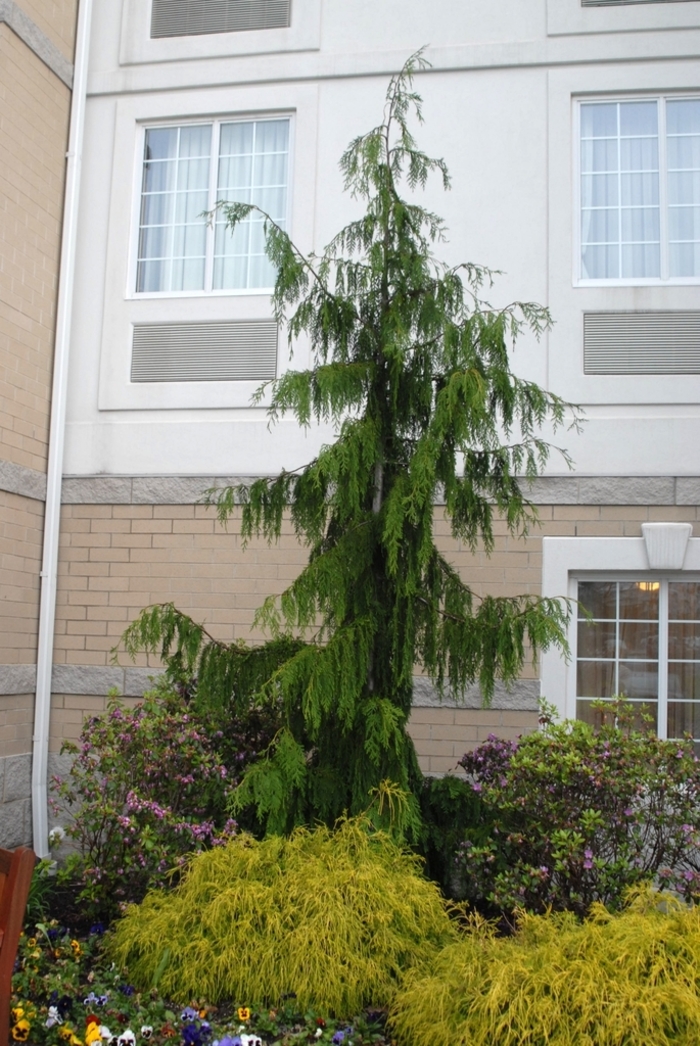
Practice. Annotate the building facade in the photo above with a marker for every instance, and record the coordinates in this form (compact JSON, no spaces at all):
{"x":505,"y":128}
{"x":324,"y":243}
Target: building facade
{"x":36,"y":75}
{"x":572,"y":133}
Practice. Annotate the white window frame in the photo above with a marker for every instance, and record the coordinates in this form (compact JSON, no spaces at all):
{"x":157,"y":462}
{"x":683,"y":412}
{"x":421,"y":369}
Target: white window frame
{"x":565,"y":562}
{"x":137,"y":47}
{"x":215,"y":123}
{"x":569,"y":18}
{"x":662,"y":579}
{"x":118,"y":192}
{"x":664,"y":280}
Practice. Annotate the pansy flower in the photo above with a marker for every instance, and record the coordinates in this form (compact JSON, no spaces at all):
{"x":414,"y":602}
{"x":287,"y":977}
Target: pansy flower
{"x":54,"y":1017}
{"x":95,"y":1000}
{"x":20,"y":1030}
{"x":191,"y":1035}
{"x":93,"y":1033}
{"x":244,"y":1013}
{"x":64,"y":1005}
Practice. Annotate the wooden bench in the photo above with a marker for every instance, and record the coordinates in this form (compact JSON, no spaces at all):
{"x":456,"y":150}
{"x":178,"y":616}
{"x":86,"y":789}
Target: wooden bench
{"x":16,"y":870}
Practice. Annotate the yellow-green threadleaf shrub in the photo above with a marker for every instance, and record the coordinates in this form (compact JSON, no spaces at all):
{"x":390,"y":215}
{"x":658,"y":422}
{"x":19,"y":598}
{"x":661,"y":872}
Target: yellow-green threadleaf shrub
{"x":629,"y":979}
{"x":333,"y":916}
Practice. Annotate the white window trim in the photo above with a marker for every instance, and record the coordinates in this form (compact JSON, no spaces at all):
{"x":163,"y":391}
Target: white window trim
{"x":131,"y":291}
{"x":567,"y":301}
{"x":569,"y":18}
{"x":137,"y":46}
{"x":646,"y":96}
{"x":566,"y":561}
{"x":123,"y":307}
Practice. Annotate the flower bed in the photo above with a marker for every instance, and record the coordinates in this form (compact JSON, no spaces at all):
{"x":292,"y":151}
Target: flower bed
{"x":65,"y":993}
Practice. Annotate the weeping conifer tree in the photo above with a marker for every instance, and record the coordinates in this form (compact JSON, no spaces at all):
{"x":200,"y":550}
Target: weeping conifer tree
{"x":412,"y":368}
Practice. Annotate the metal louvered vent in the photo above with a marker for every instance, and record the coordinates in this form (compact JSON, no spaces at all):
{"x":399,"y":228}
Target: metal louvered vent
{"x":620,"y":3}
{"x":245,"y":351}
{"x":194,"y":17}
{"x":641,"y":343}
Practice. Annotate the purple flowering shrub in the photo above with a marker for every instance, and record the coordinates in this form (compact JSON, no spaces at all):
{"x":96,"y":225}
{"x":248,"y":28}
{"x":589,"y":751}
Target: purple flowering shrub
{"x":573,"y":815}
{"x":147,"y":786}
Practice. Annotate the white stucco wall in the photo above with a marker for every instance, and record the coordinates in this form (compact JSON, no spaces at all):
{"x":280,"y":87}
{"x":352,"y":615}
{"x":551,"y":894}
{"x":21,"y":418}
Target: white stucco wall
{"x":499,"y":106}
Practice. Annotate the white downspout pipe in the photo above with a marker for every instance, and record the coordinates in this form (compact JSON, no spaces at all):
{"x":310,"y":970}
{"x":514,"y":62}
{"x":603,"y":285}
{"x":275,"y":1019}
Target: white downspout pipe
{"x":52,"y":516}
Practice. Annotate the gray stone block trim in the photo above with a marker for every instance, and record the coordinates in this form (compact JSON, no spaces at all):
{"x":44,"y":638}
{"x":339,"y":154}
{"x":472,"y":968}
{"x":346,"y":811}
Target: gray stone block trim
{"x":97,"y":681}
{"x":30,"y":34}
{"x":16,"y":824}
{"x":523,"y":696}
{"x":627,"y":490}
{"x":158,"y":490}
{"x":17,"y":679}
{"x":96,"y":490}
{"x":142,"y":490}
{"x":688,"y":490}
{"x":17,"y":782}
{"x":85,"y":680}
{"x":546,"y":490}
{"x":18,"y":479}
{"x":604,"y":490}
{"x":15,"y":801}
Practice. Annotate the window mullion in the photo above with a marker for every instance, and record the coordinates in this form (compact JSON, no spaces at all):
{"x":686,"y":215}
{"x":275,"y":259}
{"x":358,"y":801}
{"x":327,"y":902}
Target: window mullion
{"x":212,"y":198}
{"x":662,"y":726}
{"x":663,"y":190}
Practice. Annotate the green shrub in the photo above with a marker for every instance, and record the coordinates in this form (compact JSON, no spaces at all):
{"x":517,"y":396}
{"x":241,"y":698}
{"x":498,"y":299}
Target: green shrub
{"x":572,"y":815}
{"x":630,"y":979}
{"x":333,"y":917}
{"x":450,"y":808}
{"x":147,"y":786}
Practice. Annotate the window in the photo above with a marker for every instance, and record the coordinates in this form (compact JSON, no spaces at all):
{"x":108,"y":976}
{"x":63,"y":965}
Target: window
{"x":643,"y":641}
{"x":640,"y":189}
{"x":186,"y":170}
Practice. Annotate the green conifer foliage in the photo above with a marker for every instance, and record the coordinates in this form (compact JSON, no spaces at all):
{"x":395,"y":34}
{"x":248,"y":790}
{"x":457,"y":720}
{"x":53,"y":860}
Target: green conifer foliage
{"x":412,"y":369}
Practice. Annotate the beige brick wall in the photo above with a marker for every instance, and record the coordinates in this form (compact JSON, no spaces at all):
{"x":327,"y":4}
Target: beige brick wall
{"x":443,"y":735}
{"x":117,"y":559}
{"x":16,"y":718}
{"x":68,"y":713}
{"x":21,"y":523}
{"x":56,"y":19}
{"x":34,"y":111}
